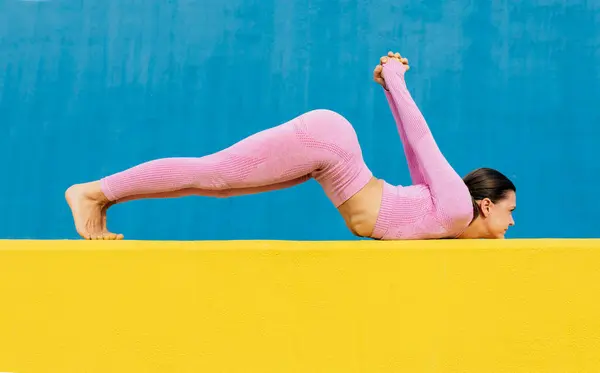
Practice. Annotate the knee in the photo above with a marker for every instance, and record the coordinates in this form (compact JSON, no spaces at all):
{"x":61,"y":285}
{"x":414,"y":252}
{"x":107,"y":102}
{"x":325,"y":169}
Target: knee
{"x":328,"y":116}
{"x":326,"y":112}
{"x":329,"y":124}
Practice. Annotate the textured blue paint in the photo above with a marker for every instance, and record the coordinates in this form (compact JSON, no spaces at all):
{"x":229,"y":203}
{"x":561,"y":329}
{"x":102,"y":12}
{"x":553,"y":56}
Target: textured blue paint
{"x":91,"y":87}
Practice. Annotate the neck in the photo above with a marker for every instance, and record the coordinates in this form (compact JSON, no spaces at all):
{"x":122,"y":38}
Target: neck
{"x":475,"y":230}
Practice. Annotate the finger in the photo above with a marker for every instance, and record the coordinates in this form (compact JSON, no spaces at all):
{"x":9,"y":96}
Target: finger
{"x":398,"y":56}
{"x":390,"y":54}
{"x":404,"y":61}
{"x":383,"y":60}
{"x":377,"y":74}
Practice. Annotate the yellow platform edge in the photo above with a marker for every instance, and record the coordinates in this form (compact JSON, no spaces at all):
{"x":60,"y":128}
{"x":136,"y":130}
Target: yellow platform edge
{"x":484,"y":306}
{"x":535,"y":243}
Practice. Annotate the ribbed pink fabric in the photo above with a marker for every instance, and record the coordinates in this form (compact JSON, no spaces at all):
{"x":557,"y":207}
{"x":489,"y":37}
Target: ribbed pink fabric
{"x":439,"y":204}
{"x":320,"y":144}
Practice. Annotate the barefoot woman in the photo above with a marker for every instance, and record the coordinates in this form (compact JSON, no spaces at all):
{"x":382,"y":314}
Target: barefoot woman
{"x":322,"y":145}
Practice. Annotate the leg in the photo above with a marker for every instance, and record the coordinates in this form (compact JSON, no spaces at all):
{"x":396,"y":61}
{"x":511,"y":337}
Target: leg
{"x":275,"y":158}
{"x":250,"y":165}
{"x":216,"y":193}
{"x":107,"y":235}
{"x":269,"y":157}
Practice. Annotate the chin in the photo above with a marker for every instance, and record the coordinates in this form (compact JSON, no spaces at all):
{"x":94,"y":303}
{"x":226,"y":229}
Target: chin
{"x":500,"y":235}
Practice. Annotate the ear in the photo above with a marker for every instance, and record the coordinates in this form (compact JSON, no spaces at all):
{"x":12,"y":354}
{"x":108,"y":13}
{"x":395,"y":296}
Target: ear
{"x":485,"y":206}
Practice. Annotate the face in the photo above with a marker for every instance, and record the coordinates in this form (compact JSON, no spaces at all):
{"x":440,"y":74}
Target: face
{"x":498,"y":216}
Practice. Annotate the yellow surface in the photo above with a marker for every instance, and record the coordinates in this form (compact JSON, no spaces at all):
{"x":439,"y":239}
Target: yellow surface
{"x":264,"y":306}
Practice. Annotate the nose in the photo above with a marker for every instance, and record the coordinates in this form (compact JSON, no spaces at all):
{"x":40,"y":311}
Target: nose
{"x":512,"y":221}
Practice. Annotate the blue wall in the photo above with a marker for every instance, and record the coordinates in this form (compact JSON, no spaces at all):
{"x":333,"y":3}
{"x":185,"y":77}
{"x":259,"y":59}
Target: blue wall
{"x":91,"y":87}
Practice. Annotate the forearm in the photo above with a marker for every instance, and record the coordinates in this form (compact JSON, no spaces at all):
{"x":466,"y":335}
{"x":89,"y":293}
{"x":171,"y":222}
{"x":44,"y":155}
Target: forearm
{"x":408,"y":116}
{"x":416,"y":174}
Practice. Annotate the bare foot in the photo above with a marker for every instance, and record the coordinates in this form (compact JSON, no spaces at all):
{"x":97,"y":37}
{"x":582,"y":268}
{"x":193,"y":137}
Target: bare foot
{"x":87,"y":202}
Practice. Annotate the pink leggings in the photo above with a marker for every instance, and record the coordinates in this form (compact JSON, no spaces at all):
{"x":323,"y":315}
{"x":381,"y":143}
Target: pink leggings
{"x":320,"y":144}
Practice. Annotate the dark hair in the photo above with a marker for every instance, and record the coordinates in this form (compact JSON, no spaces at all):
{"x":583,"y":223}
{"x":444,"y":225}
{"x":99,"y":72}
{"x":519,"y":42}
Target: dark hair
{"x":487,"y":183}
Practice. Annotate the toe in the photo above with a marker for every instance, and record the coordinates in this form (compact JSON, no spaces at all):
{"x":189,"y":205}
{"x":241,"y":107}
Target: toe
{"x":85,"y":235}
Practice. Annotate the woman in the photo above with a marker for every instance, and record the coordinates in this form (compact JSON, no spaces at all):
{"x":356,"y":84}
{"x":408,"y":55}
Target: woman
{"x":322,"y":145}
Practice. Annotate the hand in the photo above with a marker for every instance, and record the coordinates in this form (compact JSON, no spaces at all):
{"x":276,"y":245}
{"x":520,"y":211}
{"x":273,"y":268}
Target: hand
{"x":377,"y":73}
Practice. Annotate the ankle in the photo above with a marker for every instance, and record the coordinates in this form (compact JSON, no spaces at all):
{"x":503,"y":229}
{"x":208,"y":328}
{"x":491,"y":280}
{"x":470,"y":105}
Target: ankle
{"x":93,"y":191}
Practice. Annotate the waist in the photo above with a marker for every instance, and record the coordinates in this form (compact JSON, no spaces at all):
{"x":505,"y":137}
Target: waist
{"x":384,"y":217}
{"x":360,"y":211}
